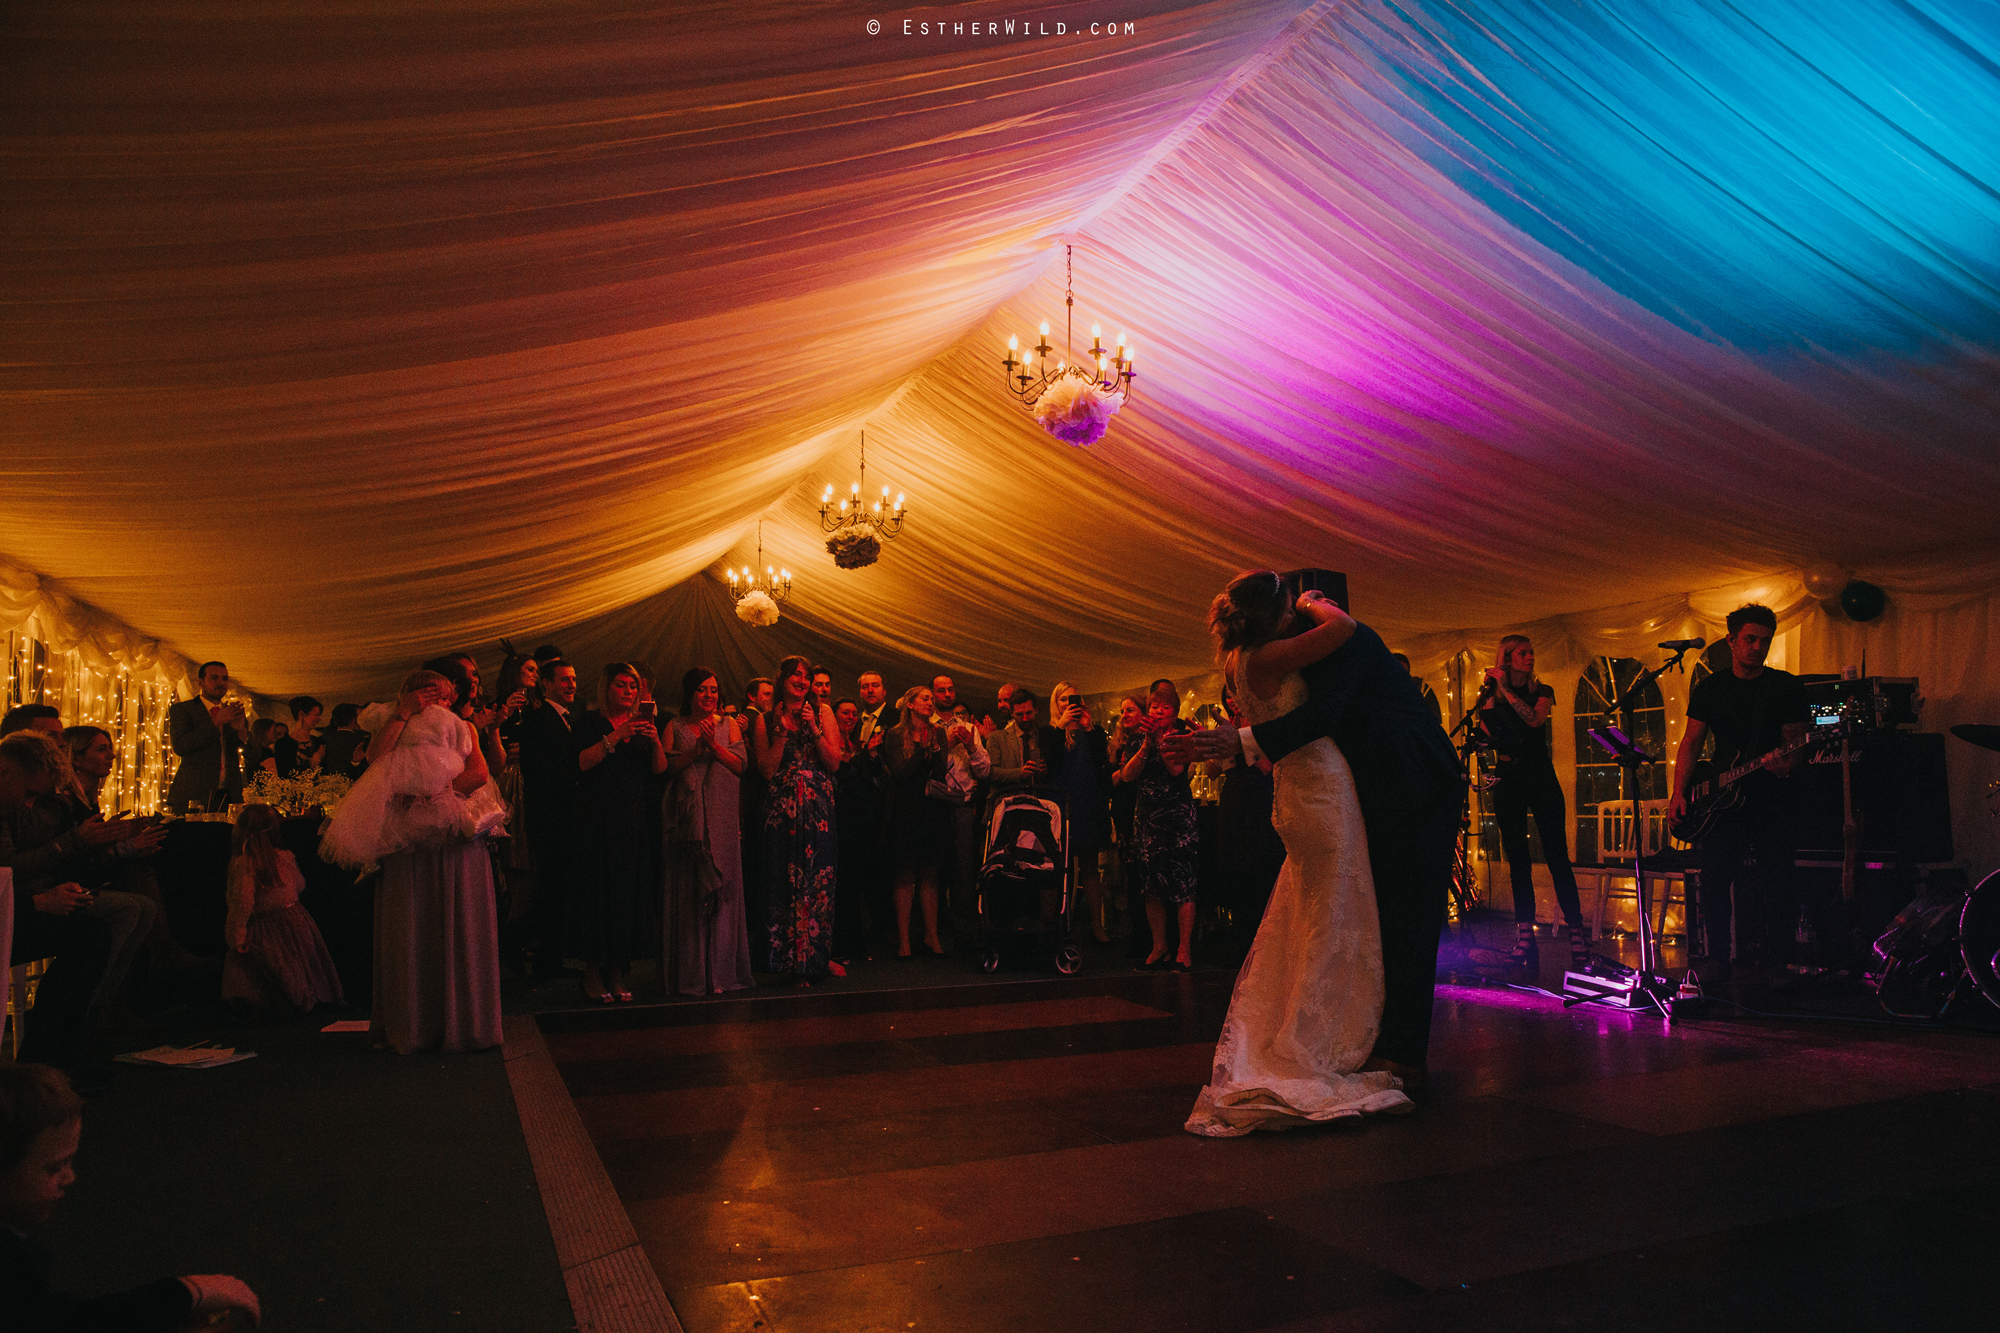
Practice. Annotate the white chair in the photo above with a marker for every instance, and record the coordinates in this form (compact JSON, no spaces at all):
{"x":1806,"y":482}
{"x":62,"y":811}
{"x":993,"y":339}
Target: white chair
{"x":1622,"y":828}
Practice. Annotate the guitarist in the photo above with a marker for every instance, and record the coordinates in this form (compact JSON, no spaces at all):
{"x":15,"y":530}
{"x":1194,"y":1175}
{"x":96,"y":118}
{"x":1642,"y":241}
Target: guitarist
{"x":1751,"y":709}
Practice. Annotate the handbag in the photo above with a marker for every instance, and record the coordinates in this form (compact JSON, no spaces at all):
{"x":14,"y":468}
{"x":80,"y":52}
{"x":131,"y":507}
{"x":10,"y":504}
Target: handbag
{"x":483,"y":812}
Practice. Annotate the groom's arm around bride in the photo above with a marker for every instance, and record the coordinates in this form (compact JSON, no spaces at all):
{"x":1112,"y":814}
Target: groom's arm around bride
{"x":1409,"y":785}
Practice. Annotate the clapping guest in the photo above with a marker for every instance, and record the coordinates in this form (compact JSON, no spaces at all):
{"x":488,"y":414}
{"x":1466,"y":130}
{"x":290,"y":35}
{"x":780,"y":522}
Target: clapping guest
{"x":967,"y":768}
{"x":550,"y":777}
{"x":920,"y":835}
{"x":346,"y":743}
{"x":296,"y":748}
{"x":1016,"y":749}
{"x":1168,"y":835}
{"x":91,"y":760}
{"x":798,"y":752}
{"x":706,"y":945}
{"x":208,"y":733}
{"x":612,"y":901}
{"x":275,"y":948}
{"x":861,"y":801}
{"x":1082,"y":773}
{"x":515,"y":691}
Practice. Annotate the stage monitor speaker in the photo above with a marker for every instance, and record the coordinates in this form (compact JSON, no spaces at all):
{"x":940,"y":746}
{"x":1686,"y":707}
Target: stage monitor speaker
{"x":1318,"y":580}
{"x":1900,"y":793}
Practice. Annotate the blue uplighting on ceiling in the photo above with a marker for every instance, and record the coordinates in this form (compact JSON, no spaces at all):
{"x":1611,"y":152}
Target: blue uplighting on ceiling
{"x":1768,"y":175}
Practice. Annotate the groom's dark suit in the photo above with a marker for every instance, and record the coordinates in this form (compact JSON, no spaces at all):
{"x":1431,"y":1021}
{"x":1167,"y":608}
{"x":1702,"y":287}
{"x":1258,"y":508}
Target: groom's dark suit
{"x":1407,"y":777}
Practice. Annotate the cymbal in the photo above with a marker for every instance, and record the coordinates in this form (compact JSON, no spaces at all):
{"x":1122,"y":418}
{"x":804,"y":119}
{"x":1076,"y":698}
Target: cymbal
{"x":1979,"y":733}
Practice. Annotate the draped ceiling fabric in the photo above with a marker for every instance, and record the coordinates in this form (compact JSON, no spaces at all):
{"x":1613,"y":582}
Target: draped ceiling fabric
{"x":335,"y":335}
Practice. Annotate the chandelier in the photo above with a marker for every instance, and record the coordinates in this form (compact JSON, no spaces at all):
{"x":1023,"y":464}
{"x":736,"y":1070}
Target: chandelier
{"x":775,"y":584}
{"x":859,"y":525}
{"x":1073,"y":400}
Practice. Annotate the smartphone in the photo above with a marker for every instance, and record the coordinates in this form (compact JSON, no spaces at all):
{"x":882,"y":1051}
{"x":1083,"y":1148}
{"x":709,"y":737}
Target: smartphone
{"x":649,"y":709}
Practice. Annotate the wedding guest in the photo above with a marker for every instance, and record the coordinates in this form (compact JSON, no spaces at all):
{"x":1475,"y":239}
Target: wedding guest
{"x":861,"y":804}
{"x":275,"y":948}
{"x":47,"y":922}
{"x":41,"y":1124}
{"x":92,"y":758}
{"x":1126,"y":735}
{"x":919,"y":840}
{"x":296,"y":748}
{"x":876,"y":715}
{"x":1168,"y":837}
{"x":208,"y":734}
{"x":437,"y":947}
{"x":752,"y":791}
{"x":798,"y":752}
{"x":1082,"y":773}
{"x":757,"y":695}
{"x":549,"y":779}
{"x":611,"y":903}
{"x":822,"y":685}
{"x":705,"y":947}
{"x":516,"y":689}
{"x":59,"y":837}
{"x":346,"y":743}
{"x":259,"y":754}
{"x":1003,"y":711}
{"x":484,"y":717}
{"x":968,"y":767}
{"x":32,"y":717}
{"x":1016,"y":751}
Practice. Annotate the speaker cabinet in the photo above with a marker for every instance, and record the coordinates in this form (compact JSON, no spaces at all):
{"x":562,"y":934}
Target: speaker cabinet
{"x":1900,"y":794}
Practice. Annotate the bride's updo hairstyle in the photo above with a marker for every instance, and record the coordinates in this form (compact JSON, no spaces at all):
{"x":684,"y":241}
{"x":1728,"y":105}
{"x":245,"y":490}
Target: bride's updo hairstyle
{"x":1248,"y":611}
{"x":421,"y":678}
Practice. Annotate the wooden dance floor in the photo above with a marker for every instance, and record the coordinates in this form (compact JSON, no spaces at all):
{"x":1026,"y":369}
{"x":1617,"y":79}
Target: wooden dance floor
{"x":1011,"y":1157}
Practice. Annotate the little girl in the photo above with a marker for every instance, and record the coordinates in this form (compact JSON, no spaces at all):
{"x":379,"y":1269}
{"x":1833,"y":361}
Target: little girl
{"x":275,"y":949}
{"x":405,"y":798}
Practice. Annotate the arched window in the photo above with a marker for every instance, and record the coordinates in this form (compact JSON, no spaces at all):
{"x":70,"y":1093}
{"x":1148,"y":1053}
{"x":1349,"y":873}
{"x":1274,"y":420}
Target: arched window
{"x":1598,"y":776}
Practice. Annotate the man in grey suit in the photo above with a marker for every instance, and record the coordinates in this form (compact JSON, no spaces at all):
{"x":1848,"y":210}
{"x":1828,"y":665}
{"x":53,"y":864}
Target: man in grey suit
{"x":207,"y":734}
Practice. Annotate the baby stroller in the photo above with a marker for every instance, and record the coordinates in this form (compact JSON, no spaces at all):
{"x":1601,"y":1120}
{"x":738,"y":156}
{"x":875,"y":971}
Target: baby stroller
{"x":1024,"y":888}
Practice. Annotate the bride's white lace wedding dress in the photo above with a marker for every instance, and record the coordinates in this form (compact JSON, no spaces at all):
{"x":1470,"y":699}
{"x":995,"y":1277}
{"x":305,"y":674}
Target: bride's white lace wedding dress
{"x":1308,"y":1001}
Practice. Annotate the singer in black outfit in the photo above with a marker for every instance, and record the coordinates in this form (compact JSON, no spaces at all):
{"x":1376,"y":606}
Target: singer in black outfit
{"x":1515,"y":720}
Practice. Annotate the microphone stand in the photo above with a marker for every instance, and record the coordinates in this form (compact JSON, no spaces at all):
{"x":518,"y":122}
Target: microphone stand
{"x":1648,"y":982}
{"x":1461,"y":868}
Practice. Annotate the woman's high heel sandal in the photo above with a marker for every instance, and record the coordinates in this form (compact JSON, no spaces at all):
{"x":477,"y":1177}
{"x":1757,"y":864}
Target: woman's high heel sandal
{"x":1527,"y":955}
{"x":1579,"y":948}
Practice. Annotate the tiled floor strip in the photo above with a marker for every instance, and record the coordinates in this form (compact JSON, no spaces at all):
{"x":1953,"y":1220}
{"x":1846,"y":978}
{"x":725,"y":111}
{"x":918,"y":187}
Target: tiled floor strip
{"x":612,"y":1286}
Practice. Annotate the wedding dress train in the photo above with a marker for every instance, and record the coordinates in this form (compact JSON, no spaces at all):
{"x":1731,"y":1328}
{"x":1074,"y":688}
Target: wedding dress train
{"x":1308,"y":1001}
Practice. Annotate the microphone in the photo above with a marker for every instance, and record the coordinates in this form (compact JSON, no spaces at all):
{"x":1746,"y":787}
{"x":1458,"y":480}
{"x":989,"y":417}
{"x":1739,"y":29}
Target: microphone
{"x":1492,"y":684}
{"x":1683,"y":645}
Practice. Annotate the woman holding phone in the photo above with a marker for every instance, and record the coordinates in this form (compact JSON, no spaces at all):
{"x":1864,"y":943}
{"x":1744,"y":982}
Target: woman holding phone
{"x":611,"y":903}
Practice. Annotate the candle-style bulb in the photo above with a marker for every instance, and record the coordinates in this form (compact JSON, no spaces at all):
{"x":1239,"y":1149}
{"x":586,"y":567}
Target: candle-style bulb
{"x":899,"y":500}
{"x":1097,"y":331}
{"x":1121,"y":337}
{"x":857,"y":488}
{"x":885,"y":492}
{"x":1045,"y":328}
{"x":1013,"y":344}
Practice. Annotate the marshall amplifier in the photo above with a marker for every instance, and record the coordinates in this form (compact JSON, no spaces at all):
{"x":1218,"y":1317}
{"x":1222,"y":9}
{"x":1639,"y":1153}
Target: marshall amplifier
{"x":1900,"y":795}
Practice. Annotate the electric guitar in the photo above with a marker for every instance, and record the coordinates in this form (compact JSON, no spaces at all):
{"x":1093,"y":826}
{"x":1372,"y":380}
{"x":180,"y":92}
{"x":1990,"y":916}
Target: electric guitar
{"x":1714,"y":793}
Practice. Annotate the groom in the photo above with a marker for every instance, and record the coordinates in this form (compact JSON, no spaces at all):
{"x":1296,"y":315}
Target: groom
{"x":1407,"y":778}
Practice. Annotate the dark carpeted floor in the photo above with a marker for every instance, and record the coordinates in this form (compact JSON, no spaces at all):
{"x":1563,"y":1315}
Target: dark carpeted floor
{"x":351,"y":1188}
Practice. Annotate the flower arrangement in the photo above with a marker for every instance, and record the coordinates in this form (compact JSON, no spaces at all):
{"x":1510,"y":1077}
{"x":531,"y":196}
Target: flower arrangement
{"x":297,"y":795}
{"x":757,"y":608}
{"x":1076,"y":410}
{"x":854,"y":550}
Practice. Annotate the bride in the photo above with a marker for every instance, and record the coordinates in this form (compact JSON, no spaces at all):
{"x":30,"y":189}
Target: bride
{"x":1308,"y":1001}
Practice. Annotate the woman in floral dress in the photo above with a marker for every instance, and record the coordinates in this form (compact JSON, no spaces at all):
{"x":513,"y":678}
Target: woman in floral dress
{"x":798,"y":751}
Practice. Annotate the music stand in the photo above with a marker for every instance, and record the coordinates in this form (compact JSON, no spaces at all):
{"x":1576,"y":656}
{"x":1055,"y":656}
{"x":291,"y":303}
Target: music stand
{"x":1646,"y":986}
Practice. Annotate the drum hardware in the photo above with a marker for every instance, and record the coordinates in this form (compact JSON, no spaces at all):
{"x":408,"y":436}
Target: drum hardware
{"x":1945,"y":945}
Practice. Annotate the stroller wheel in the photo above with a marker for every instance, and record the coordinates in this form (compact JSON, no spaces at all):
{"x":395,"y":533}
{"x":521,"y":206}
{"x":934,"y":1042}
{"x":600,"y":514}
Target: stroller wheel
{"x":991,"y":962}
{"x":1068,"y":960}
